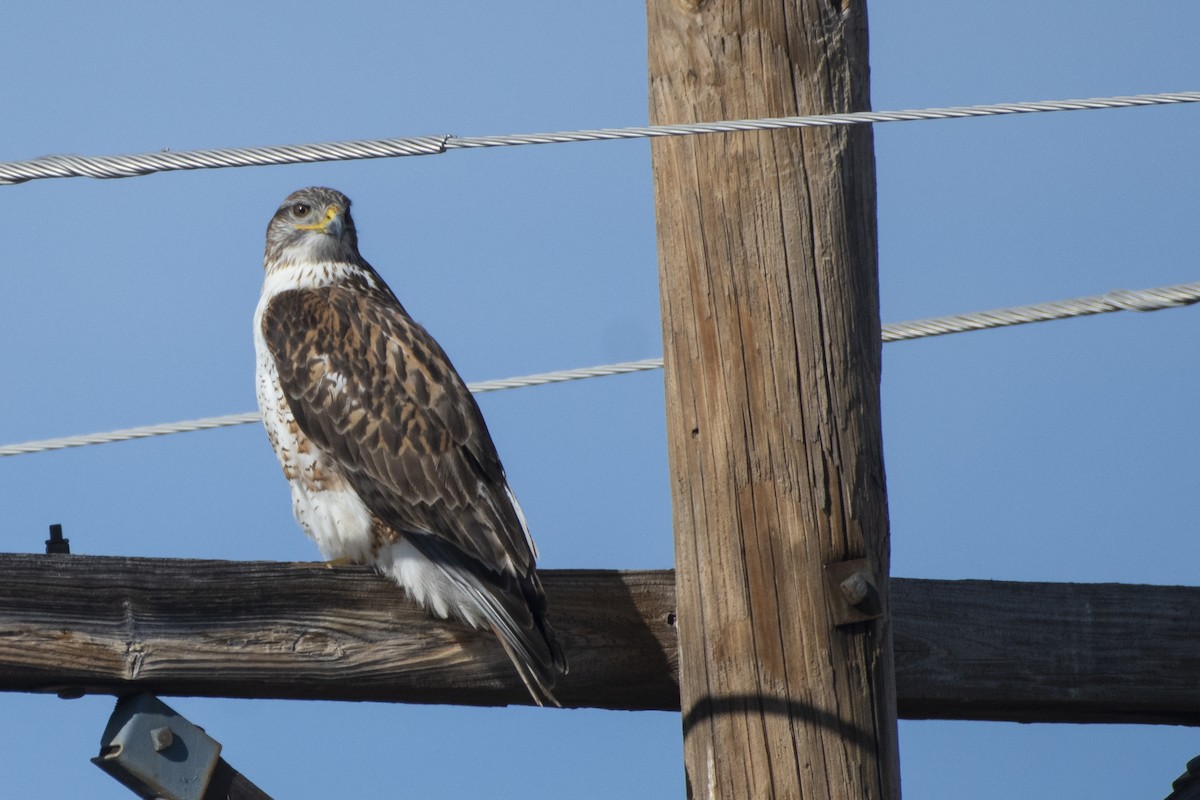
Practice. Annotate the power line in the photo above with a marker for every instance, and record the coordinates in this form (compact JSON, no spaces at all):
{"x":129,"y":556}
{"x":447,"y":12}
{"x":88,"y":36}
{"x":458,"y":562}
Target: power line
{"x":562,"y":376}
{"x":1118,"y":300}
{"x":229,"y":420}
{"x":128,"y":166}
{"x":1183,"y":294}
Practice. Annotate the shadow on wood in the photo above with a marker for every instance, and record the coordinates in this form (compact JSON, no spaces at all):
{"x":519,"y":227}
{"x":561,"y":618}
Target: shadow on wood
{"x":710,"y":707}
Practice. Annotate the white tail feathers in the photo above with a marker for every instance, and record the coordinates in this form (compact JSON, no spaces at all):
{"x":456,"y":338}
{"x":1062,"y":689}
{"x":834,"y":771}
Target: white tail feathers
{"x":439,"y":580}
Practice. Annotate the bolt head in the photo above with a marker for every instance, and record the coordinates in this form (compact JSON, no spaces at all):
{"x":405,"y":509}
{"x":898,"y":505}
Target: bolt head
{"x":161,"y":738}
{"x":856,"y":588}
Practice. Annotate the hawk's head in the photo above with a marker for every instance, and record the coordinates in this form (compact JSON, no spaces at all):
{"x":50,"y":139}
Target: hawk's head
{"x":313,"y":225}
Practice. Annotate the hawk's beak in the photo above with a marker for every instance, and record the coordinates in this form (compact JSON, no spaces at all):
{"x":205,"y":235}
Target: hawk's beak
{"x":332,"y":223}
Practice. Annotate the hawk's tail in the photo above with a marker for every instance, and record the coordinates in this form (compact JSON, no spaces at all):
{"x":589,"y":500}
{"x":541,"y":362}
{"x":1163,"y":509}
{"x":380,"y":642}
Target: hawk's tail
{"x":448,"y":583}
{"x":528,"y":640}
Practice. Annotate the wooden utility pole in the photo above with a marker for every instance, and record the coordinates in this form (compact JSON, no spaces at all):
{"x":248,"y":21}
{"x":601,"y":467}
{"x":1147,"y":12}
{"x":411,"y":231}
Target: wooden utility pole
{"x":771,"y":338}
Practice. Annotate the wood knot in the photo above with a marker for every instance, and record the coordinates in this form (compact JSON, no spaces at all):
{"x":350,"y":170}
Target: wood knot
{"x":318,"y":645}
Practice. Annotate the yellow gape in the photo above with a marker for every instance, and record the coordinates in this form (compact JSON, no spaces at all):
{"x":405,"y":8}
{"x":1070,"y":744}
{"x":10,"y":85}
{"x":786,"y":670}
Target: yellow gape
{"x":330,"y":215}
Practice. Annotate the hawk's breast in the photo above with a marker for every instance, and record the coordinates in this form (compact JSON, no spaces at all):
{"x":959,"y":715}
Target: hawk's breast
{"x":325,"y":505}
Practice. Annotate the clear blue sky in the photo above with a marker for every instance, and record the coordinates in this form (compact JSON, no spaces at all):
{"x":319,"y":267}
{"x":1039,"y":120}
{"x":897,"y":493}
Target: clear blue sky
{"x":1065,"y":451}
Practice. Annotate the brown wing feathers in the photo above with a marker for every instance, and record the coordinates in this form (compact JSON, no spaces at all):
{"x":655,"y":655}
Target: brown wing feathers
{"x":385,"y":401}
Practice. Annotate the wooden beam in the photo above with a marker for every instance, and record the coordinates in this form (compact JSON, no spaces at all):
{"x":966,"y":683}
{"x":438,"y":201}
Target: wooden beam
{"x":264,"y":629}
{"x":1047,"y":652}
{"x":986,"y":650}
{"x":768,"y":282}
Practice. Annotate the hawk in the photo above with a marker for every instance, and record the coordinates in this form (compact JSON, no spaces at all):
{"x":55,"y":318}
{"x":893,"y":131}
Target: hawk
{"x":387,"y":453}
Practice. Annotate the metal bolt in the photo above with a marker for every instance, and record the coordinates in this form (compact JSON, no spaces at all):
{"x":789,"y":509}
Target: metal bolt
{"x":856,"y":588}
{"x":56,"y":544}
{"x":161,"y":738}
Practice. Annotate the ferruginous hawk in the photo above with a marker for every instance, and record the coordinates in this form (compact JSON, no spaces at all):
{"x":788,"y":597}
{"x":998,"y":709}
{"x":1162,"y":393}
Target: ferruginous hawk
{"x":386,"y":451}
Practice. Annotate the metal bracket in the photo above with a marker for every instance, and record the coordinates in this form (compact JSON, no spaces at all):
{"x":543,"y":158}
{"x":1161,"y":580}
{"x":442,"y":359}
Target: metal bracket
{"x":853,"y":596}
{"x":155,"y":752}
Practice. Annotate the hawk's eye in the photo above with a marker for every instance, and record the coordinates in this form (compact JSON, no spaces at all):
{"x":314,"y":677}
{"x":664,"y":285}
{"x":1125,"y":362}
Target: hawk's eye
{"x":301,"y":210}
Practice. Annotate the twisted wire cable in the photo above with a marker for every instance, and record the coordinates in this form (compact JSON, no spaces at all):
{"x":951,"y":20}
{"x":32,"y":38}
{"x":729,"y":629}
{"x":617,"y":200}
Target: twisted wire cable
{"x":130,"y":166}
{"x":71,"y":166}
{"x":229,"y":420}
{"x":564,"y":375}
{"x":1117,"y":300}
{"x":826,"y":120}
{"x":1182,"y":294}
{"x":126,"y":434}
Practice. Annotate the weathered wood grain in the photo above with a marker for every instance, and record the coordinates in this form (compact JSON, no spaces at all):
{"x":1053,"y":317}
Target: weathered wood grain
{"x":987,"y":650}
{"x":1047,"y":652}
{"x":264,"y":629}
{"x":769,"y":296}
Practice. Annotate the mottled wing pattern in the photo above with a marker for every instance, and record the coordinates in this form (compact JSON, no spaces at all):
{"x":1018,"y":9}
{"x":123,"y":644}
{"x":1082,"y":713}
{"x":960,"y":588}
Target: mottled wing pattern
{"x":386,"y":403}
